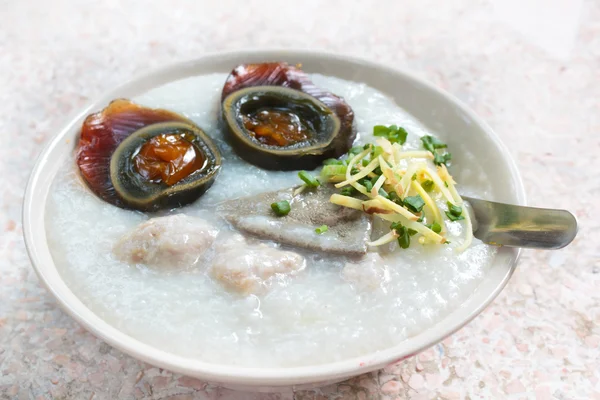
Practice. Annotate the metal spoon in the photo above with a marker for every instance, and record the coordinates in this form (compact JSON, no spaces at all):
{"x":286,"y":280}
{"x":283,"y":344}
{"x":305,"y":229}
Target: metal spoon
{"x":518,"y":226}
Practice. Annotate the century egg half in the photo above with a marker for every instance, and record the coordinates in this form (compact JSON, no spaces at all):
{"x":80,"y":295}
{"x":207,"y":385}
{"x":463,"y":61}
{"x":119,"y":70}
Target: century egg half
{"x":277,"y":118}
{"x":145,"y":159}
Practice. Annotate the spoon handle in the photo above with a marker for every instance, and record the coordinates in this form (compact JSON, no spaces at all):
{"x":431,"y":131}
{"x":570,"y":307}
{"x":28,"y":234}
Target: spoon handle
{"x":520,"y":226}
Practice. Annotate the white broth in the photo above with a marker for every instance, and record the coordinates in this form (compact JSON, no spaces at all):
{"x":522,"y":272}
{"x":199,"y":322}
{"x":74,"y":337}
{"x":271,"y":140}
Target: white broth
{"x":316,"y":316}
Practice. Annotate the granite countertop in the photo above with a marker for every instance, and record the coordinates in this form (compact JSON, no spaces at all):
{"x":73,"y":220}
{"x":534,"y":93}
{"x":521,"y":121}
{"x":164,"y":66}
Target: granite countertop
{"x":530,"y":68}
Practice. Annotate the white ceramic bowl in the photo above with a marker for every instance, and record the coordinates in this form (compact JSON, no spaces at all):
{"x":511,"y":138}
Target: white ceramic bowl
{"x":436,"y":109}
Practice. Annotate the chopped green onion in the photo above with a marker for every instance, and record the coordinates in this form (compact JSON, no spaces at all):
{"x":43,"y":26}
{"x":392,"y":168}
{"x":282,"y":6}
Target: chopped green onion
{"x":365,"y":162}
{"x":355,"y":150}
{"x":421,"y":218}
{"x":454,"y":213}
{"x":395,"y":226}
{"x":428,"y":185}
{"x":393,"y":196}
{"x":437,"y":228}
{"x":383,"y":193}
{"x":439,"y":159}
{"x":403,"y":233}
{"x":432,"y":143}
{"x":399,"y":136}
{"x":392,"y":133}
{"x":348,"y":191}
{"x":281,"y":208}
{"x":333,"y":161}
{"x":322,"y":229}
{"x":382,"y":130}
{"x":310,"y":180}
{"x":377,"y":151}
{"x":367,"y":184}
{"x":456,"y":210}
{"x":414,"y":177}
{"x":404,"y":238}
{"x":332,"y":170}
{"x":414,"y":203}
{"x":404,"y":241}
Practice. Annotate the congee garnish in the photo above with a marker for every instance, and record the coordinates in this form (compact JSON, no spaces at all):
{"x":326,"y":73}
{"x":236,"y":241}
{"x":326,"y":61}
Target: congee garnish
{"x":278,"y":119}
{"x":281,"y":208}
{"x":308,"y":179}
{"x":322,"y":229}
{"x":435,"y":147}
{"x":408,"y":188}
{"x":145,"y":159}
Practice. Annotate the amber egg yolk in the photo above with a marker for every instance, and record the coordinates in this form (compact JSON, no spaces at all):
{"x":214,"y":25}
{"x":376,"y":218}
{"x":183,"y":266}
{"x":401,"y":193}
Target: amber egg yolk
{"x":168,"y":158}
{"x":277,"y":127}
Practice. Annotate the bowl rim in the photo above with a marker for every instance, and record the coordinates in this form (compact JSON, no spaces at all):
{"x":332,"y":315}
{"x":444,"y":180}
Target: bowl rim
{"x":220,"y":373}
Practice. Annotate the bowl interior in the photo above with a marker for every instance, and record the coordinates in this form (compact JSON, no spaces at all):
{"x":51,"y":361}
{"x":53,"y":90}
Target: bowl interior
{"x":440,"y":112}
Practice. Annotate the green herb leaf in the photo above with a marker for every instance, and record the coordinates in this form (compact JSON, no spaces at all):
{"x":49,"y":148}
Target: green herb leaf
{"x":431,"y":143}
{"x":428,"y":185}
{"x":453,"y":217}
{"x":437,"y":228}
{"x":439,"y":159}
{"x":392,"y":133}
{"x":322,"y":229}
{"x":377,"y":151}
{"x":456,"y":210}
{"x":367,"y":184}
{"x":395,"y":226}
{"x":381,"y":130}
{"x":310,"y":180}
{"x":404,"y":239}
{"x":414,"y":203}
{"x":400,"y":136}
{"x":454,"y":213}
{"x":281,"y":208}
{"x":403,"y":233}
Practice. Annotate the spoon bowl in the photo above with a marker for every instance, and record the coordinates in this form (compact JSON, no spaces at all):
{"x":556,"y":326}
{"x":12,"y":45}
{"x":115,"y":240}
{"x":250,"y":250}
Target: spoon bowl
{"x":519,"y":226}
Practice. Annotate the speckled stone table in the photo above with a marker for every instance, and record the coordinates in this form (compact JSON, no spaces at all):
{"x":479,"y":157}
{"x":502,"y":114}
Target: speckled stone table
{"x":531,"y":68}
